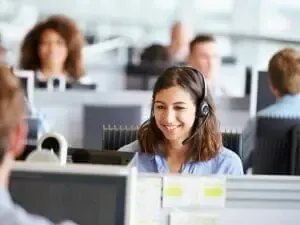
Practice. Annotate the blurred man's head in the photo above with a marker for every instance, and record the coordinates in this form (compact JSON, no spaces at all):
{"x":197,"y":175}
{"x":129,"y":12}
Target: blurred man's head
{"x":284,"y":73}
{"x":12,"y":125}
{"x":203,"y":55}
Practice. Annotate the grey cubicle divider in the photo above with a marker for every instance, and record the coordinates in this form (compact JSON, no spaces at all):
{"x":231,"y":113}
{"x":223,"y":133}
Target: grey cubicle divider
{"x":94,"y":117}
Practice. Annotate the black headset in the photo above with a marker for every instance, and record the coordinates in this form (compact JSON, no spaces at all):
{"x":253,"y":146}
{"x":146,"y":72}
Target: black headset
{"x":202,"y":107}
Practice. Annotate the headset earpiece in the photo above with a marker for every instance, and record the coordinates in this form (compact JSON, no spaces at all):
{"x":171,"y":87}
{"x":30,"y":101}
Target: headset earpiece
{"x":203,"y":109}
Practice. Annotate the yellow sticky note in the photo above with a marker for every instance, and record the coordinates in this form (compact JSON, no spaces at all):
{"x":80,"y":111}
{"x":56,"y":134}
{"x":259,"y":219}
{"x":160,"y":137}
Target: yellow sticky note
{"x":214,"y":191}
{"x":174,"y":191}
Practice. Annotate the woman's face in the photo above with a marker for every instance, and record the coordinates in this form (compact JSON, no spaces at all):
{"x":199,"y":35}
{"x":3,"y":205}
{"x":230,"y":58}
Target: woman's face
{"x":174,"y":112}
{"x":53,"y":50}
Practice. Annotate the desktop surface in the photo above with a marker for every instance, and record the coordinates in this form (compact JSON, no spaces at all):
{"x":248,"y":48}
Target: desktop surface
{"x":83,"y":198}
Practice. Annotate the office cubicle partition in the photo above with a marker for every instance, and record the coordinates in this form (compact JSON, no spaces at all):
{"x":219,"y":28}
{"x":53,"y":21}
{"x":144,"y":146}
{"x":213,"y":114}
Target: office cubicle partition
{"x":227,"y":200}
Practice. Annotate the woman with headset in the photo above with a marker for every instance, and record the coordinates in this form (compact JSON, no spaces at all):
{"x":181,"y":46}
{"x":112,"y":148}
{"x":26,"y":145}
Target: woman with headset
{"x":182,"y":134}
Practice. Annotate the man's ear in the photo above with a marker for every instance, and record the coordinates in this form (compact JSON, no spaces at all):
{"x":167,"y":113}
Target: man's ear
{"x":17,"y":139}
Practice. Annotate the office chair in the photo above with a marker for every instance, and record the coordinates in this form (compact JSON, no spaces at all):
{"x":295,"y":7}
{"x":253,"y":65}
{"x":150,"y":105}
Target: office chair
{"x":115,"y":137}
{"x":233,"y":141}
{"x":276,"y":149}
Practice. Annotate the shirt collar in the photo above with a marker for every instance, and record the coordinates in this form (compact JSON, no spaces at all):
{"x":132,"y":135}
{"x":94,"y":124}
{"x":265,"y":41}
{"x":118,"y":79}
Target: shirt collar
{"x":289,"y":98}
{"x":5,"y":198}
{"x":161,"y":164}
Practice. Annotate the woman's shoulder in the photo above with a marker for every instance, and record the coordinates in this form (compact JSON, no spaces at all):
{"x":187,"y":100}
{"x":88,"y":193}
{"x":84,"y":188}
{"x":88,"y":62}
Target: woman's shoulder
{"x":131,"y":147}
{"x":228,"y":162}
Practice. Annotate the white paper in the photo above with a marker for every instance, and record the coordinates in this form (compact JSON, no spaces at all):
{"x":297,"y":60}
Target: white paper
{"x":193,"y":218}
{"x":194,"y":191}
{"x":148,"y":205}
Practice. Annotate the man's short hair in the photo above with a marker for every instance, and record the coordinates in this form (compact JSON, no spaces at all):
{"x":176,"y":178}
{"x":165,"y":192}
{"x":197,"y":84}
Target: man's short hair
{"x":201,"y":39}
{"x":284,"y":71}
{"x":11,"y":106}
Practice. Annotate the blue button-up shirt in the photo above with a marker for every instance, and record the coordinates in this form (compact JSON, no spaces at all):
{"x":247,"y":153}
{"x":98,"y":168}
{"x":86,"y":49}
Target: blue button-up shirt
{"x":226,"y":162}
{"x":287,"y":106}
{"x":11,"y":214}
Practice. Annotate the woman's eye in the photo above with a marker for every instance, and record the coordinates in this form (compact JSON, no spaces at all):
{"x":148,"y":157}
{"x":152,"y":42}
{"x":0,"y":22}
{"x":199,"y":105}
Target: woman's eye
{"x":159,"y":107}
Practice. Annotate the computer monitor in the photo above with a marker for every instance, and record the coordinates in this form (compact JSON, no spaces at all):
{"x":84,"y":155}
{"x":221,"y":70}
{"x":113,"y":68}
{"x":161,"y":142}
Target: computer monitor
{"x":85,"y":194}
{"x":27,"y":80}
{"x":261,"y":95}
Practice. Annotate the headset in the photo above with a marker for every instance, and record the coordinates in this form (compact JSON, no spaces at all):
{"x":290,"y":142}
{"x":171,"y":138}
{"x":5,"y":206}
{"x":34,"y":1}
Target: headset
{"x":202,"y":107}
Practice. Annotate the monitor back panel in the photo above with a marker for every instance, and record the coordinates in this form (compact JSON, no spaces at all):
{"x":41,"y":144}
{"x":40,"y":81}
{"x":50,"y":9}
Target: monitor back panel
{"x":85,"y":199}
{"x":264,"y":94}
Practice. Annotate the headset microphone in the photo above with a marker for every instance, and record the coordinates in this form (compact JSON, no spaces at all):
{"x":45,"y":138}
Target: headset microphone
{"x":185,"y":141}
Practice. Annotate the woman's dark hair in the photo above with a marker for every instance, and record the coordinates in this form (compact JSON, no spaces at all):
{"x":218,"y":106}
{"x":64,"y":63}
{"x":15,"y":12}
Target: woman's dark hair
{"x":69,"y":31}
{"x":206,"y":143}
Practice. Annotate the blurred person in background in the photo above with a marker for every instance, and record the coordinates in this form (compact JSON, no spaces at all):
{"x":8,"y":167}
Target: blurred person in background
{"x":13,"y":132}
{"x":2,"y":54}
{"x":204,"y":57}
{"x":179,"y":47}
{"x":155,"y":54}
{"x":54,"y":47}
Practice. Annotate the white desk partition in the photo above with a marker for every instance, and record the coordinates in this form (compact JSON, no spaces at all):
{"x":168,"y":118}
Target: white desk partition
{"x":64,"y":110}
{"x":249,"y":200}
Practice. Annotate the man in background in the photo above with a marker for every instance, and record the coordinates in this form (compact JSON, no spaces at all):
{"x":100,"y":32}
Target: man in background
{"x":284,"y":83}
{"x":204,"y":57}
{"x":13,"y":133}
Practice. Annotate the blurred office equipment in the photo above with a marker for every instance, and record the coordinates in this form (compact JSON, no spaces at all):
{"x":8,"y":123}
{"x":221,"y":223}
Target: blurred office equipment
{"x":33,"y":132}
{"x":248,"y":81}
{"x":51,"y":147}
{"x":84,"y":156}
{"x":82,"y":87}
{"x":115,"y":137}
{"x":261,"y":95}
{"x":60,"y":84}
{"x":82,"y":193}
{"x":53,"y":83}
{"x":277,"y":144}
{"x":27,"y":79}
{"x":43,"y":156}
{"x":104,"y":157}
{"x":95,"y":116}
